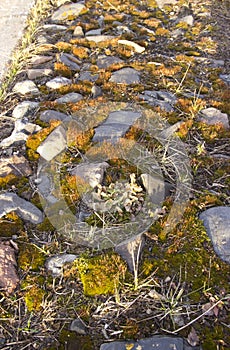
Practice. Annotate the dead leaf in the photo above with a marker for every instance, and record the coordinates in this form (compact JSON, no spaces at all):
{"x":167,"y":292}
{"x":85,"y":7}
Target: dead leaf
{"x":205,"y":309}
{"x":193,"y":338}
{"x":8,"y":275}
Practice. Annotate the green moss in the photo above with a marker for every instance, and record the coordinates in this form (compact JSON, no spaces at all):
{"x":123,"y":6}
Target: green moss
{"x":33,"y":298}
{"x":10,"y":225}
{"x":30,"y":257}
{"x":101,"y":274}
{"x":72,"y":341}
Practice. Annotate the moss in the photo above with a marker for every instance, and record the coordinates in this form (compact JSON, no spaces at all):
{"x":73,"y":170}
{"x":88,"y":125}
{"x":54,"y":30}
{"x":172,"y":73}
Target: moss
{"x":34,"y":298}
{"x":30,"y":257}
{"x":72,"y":341}
{"x":11,"y":225}
{"x":63,"y":46}
{"x":80,"y":52}
{"x":189,"y":248}
{"x":63,"y":70}
{"x":101,"y":274}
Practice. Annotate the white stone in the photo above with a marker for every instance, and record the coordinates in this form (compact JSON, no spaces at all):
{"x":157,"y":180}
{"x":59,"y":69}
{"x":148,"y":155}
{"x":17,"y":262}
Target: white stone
{"x":137,"y":48}
{"x":54,"y":144}
{"x":25,"y":109}
{"x":58,"y":82}
{"x":26,"y":87}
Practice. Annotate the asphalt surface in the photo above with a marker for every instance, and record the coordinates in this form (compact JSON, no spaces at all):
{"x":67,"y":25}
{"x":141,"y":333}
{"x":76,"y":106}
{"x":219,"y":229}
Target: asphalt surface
{"x":13,"y":15}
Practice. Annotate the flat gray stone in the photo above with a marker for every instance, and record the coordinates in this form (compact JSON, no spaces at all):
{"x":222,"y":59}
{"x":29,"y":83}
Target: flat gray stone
{"x":26,"y":87}
{"x":213,"y":116}
{"x":67,"y":11}
{"x":17,"y":165}
{"x":55,"y":264}
{"x":93,"y":32}
{"x":99,"y":38}
{"x":115,"y":126}
{"x":88,"y":76}
{"x":72,"y":97}
{"x":157,"y":342}
{"x":130,"y":251}
{"x":104,"y":61}
{"x":25,"y":109}
{"x":27,"y":211}
{"x":155,"y":188}
{"x":125,"y":76}
{"x":45,"y":187}
{"x":70,"y":61}
{"x":217,"y":223}
{"x":225,"y":78}
{"x":91,"y":173}
{"x":54,"y":144}
{"x":40,"y":59}
{"x":78,"y":326}
{"x":163,"y":99}
{"x":50,"y":114}
{"x":21,"y":132}
{"x":58,"y":82}
{"x":38,"y":73}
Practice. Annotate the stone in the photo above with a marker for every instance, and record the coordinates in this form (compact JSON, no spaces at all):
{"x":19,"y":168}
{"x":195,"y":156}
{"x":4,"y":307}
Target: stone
{"x":67,"y":11}
{"x":115,"y":126}
{"x":104,"y":61}
{"x":72,"y":97}
{"x":16,"y":165}
{"x":96,"y":91}
{"x":225,"y":78}
{"x":26,"y":87}
{"x":164,"y":99}
{"x":39,"y":59}
{"x":78,"y":326}
{"x":100,"y":38}
{"x":78,"y":32}
{"x":27,"y":211}
{"x":93,"y":32}
{"x":125,"y":76}
{"x":55,"y":264}
{"x":88,"y":76}
{"x":91,"y":173}
{"x":70,"y":61}
{"x":58,"y":82}
{"x":159,"y":342}
{"x":25,"y":109}
{"x":38,"y":73}
{"x":54,"y":28}
{"x":217,"y":223}
{"x":8,"y":275}
{"x":155,"y":187}
{"x":137,"y":48}
{"x":54,"y":144}
{"x":45,"y":186}
{"x":187,"y":19}
{"x":50,"y":114}
{"x":213,"y":116}
{"x":21,"y":132}
{"x":130,"y":251}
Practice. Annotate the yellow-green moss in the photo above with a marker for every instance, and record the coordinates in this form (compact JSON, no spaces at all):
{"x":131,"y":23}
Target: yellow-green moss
{"x":10,"y":225}
{"x":74,"y":341}
{"x":101,"y":274}
{"x":33,"y":298}
{"x":30,"y":257}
